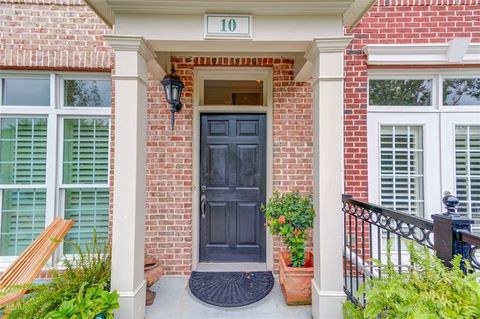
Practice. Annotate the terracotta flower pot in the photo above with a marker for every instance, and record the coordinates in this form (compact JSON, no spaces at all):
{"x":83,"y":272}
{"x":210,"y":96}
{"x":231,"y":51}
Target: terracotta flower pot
{"x":296,"y":282}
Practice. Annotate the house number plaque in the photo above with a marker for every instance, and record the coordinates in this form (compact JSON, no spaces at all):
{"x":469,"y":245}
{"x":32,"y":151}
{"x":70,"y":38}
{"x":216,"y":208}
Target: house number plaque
{"x":228,"y":26}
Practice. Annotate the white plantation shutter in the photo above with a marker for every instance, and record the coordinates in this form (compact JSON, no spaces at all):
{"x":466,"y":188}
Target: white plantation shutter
{"x":85,"y":161}
{"x":23,"y":219}
{"x":22,"y":162}
{"x":401,"y":168}
{"x":85,"y":151}
{"x":89,"y":207}
{"x":467,"y":171}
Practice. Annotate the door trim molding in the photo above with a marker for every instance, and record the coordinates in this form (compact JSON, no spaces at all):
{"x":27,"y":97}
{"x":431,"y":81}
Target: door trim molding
{"x":212,"y":73}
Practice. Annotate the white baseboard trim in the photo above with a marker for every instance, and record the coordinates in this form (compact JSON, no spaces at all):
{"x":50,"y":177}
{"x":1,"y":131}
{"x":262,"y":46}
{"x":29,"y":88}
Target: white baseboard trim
{"x":132,"y":303}
{"x":131,"y":294}
{"x":326,"y":304}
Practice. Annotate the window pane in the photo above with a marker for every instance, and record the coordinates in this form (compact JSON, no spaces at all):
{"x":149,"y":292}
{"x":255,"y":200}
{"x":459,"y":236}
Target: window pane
{"x":400,"y":92}
{"x":89,"y":208}
{"x":401,"y":168}
{"x":23,"y":150}
{"x":93,"y":93}
{"x":23,"y":219}
{"x":461,"y":92}
{"x":85,"y":153}
{"x":26,"y":92}
{"x":233,"y":92}
{"x":467,"y":162}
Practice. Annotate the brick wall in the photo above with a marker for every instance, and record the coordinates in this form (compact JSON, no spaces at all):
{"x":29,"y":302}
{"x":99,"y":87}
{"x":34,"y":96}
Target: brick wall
{"x":52,"y":34}
{"x":169,"y":164}
{"x":395,"y":22}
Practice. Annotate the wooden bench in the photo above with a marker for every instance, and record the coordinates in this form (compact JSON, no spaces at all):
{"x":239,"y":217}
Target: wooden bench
{"x":26,"y":268}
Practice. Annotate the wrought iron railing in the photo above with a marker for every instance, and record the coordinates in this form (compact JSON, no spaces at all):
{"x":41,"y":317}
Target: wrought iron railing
{"x":371,"y":230}
{"x":470,"y":243}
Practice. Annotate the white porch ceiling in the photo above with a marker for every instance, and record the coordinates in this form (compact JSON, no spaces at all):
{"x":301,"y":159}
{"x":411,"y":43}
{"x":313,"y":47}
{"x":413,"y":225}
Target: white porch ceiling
{"x":280,"y":27}
{"x":351,"y":10}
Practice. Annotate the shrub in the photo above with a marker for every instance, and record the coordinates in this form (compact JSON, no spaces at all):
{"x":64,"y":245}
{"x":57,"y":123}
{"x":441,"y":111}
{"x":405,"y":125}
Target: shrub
{"x":87,"y":304}
{"x":429,"y":290}
{"x":90,"y":267}
{"x":290,"y":215}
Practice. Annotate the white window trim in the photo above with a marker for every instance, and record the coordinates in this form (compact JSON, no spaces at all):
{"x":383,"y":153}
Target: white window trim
{"x":431,"y":150}
{"x":437,"y":75}
{"x":206,"y":73}
{"x":55,"y":114}
{"x":457,"y":51}
{"x":438,"y":131}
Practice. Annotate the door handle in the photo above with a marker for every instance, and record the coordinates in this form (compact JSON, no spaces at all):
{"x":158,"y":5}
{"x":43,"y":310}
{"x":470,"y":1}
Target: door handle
{"x":203,"y":200}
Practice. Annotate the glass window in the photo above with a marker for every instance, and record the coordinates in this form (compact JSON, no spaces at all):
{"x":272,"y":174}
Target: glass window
{"x":401,"y":168}
{"x":87,"y":93}
{"x":467,"y":171}
{"x":85,"y":151}
{"x":28,"y":200}
{"x":461,"y":91}
{"x":400,"y":92}
{"x":90,"y":209}
{"x":26,"y":92}
{"x":23,"y":150}
{"x":85,"y":161}
{"x":233,"y":92}
{"x":23,"y":219}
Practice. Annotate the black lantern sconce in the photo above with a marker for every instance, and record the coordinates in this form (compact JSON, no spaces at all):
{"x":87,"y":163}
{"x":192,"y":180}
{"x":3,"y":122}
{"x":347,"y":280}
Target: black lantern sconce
{"x":173,"y":87}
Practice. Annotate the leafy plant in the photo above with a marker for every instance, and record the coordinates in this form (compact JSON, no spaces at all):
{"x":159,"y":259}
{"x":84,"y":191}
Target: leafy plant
{"x":87,"y":304}
{"x":89,"y":267}
{"x":430,"y":290}
{"x":290,"y":215}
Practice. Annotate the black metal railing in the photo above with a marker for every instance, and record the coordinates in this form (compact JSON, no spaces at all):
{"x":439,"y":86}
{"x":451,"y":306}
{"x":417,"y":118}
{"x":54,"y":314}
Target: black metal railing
{"x":373,"y":233}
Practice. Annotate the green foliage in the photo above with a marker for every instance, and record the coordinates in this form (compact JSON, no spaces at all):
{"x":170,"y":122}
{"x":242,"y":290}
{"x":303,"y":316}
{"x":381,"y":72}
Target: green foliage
{"x":289,"y":215}
{"x":429,"y":291}
{"x":90,"y":267}
{"x":400,"y":92}
{"x":87,"y":304}
{"x":454,"y":90}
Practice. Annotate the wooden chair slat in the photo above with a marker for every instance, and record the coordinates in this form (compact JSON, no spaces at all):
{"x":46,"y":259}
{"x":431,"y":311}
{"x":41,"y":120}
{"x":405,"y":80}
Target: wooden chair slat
{"x":30,"y":263}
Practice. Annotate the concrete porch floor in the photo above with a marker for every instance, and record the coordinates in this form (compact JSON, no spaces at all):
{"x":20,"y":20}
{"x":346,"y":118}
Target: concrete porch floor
{"x":175,"y":301}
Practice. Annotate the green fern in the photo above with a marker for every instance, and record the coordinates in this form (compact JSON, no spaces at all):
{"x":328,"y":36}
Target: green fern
{"x":89,"y":267}
{"x":430,"y":290}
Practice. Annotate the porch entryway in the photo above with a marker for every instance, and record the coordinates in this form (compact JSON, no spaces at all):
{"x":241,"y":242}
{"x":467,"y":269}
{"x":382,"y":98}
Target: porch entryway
{"x":147,"y":34}
{"x":176,"y":302}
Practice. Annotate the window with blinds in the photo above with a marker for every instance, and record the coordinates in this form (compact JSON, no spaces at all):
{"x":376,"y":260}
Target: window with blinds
{"x":467,"y":171}
{"x":54,"y":156}
{"x":401,"y":168}
{"x":85,"y":179}
{"x":23,"y":155}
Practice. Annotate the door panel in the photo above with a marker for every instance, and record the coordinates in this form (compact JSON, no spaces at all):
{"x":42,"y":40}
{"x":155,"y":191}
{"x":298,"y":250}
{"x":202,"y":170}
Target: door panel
{"x":232,"y":177}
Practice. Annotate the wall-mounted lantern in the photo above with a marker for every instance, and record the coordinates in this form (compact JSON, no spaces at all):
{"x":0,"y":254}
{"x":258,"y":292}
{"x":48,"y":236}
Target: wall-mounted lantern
{"x":173,"y":87}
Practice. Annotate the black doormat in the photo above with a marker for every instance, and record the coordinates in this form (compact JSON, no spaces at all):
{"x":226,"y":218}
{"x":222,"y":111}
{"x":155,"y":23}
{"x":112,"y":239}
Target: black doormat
{"x":231,"y":289}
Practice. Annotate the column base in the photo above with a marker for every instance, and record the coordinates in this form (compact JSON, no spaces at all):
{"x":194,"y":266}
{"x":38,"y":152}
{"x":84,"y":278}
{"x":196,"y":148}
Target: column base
{"x":326,"y":304}
{"x":132,"y":304}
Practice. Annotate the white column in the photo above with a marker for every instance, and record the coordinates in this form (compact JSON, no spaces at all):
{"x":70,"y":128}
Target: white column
{"x":326,"y":56}
{"x":128,"y":236}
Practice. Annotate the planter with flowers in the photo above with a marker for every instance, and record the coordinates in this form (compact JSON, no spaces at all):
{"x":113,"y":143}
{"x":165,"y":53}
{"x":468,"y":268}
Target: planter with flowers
{"x":290,"y":215}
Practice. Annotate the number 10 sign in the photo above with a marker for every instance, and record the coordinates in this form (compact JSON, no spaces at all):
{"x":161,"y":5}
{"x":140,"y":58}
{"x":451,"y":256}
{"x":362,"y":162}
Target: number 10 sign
{"x":228,"y":26}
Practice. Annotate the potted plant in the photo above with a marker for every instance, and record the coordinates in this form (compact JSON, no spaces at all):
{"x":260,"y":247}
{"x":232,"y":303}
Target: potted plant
{"x":290,"y":215}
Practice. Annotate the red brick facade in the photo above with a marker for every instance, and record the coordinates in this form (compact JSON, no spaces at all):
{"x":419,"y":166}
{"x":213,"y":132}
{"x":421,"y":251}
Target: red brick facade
{"x":52,"y":34}
{"x":393,"y":22}
{"x":67,"y":35}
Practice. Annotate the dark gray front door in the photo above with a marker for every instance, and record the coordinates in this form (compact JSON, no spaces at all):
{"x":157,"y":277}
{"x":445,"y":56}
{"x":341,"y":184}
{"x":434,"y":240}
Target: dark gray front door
{"x":232,"y":179}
